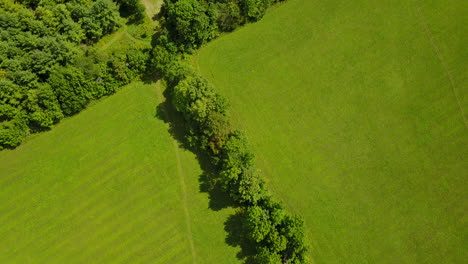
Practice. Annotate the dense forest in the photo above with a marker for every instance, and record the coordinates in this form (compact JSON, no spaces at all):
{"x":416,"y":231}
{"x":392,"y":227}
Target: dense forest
{"x":48,"y":68}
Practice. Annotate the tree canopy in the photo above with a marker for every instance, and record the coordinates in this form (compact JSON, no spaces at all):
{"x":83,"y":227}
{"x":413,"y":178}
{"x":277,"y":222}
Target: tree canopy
{"x":43,"y":50}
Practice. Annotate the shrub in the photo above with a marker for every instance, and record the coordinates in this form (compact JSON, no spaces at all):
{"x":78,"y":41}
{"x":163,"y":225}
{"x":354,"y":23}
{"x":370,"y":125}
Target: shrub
{"x":13,"y":132}
{"x":189,"y":23}
{"x":228,"y":16}
{"x":254,"y":10}
{"x":71,"y":88}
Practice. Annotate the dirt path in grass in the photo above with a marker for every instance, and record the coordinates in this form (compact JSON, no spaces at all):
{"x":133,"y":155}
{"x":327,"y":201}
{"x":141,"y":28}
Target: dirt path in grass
{"x":183,"y":187}
{"x":151,"y":9}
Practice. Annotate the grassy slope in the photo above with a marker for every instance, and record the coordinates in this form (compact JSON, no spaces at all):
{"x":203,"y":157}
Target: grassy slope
{"x":108,"y":185}
{"x":104,"y":187}
{"x":351,"y":110}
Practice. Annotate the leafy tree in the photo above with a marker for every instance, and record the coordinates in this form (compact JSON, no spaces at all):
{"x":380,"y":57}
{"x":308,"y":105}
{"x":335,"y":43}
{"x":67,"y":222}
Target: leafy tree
{"x":195,"y":98}
{"x":189,"y":24}
{"x":43,"y":107}
{"x":73,"y":31}
{"x":228,"y":16}
{"x":31,"y":3}
{"x":237,"y":177}
{"x":136,"y":61}
{"x":254,"y":9}
{"x":24,"y":79}
{"x":105,"y":14}
{"x":296,"y":247}
{"x":266,"y":256}
{"x":250,"y":187}
{"x":217,"y":129}
{"x":165,"y":60}
{"x":133,"y":9}
{"x":257,"y":223}
{"x":10,"y":93}
{"x":118,"y":66}
{"x":13,"y":131}
{"x":71,"y":88}
{"x":276,"y":242}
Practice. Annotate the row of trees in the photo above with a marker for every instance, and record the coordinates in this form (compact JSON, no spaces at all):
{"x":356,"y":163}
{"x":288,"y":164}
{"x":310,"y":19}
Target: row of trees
{"x":277,"y":236}
{"x":48,"y":69}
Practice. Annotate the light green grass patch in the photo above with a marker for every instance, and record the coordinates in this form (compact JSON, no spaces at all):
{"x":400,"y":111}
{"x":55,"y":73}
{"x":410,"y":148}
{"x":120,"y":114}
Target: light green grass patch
{"x":355,"y":111}
{"x":107,"y":186}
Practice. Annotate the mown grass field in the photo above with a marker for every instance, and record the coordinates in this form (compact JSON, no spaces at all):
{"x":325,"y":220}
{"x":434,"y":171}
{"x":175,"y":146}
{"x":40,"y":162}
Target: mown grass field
{"x":108,"y":185}
{"x":357,"y":113}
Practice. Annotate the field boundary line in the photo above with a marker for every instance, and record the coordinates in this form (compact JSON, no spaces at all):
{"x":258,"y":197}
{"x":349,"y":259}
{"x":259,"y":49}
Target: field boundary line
{"x":430,"y":36}
{"x":180,"y":171}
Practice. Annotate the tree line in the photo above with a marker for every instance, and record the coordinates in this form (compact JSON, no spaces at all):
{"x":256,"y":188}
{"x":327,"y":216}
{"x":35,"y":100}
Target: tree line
{"x":276,"y":235}
{"x":48,"y":67}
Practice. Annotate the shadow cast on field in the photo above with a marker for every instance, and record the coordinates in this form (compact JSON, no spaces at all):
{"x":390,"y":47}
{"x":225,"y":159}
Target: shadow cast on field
{"x":208,"y":180}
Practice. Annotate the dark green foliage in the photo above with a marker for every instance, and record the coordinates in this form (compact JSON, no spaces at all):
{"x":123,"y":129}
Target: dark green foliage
{"x":99,"y":19}
{"x":278,"y":235}
{"x":13,"y":126}
{"x":228,"y":15}
{"x":134,"y":10}
{"x":124,"y":67}
{"x":118,"y":66}
{"x":13,"y":131}
{"x":164,"y":58}
{"x":204,"y":111}
{"x":257,"y":223}
{"x":10,"y":93}
{"x":42,"y":107}
{"x":71,"y":88}
{"x":196,"y":98}
{"x":44,"y":73}
{"x":104,"y":14}
{"x":137,"y":59}
{"x":189,"y":23}
{"x":266,"y":256}
{"x":254,"y":10}
{"x":216,"y":128}
{"x":238,"y":177}
{"x":293,"y":230}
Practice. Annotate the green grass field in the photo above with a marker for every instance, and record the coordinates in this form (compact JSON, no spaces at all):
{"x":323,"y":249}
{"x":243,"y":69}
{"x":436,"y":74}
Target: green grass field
{"x":108,"y":185}
{"x":357,"y":113}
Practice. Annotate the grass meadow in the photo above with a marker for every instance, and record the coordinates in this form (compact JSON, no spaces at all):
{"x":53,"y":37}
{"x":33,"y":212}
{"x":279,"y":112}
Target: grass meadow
{"x":109,"y":185}
{"x":357,"y":113}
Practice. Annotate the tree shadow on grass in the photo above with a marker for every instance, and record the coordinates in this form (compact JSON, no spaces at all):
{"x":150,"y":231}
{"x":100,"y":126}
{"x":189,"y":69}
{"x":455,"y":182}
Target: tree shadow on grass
{"x":235,"y":237}
{"x":208,"y":180}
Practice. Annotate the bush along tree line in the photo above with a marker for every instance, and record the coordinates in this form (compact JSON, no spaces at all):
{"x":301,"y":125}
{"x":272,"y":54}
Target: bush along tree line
{"x":276,"y":235}
{"x":48,"y":66}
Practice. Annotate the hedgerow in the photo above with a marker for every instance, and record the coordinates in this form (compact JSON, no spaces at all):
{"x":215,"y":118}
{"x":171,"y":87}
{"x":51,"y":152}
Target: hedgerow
{"x":277,"y":236}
